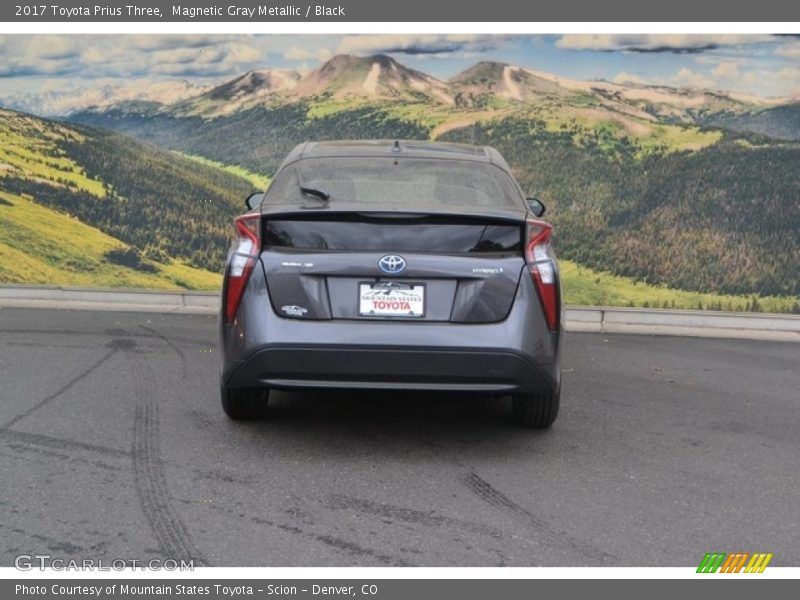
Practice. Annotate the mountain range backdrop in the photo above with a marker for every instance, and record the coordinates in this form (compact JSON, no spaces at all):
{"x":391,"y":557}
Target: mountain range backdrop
{"x":661,"y":195}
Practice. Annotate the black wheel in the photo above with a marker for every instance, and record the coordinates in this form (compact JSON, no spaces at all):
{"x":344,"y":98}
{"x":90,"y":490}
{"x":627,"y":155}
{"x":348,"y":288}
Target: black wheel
{"x":536,"y":411}
{"x":244,"y":403}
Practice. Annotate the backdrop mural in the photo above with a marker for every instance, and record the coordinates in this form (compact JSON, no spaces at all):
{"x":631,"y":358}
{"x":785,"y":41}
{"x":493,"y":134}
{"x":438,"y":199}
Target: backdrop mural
{"x":669,"y":163}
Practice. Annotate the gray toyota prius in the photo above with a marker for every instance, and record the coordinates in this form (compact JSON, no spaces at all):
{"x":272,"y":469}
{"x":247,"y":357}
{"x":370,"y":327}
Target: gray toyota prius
{"x":393,"y":265}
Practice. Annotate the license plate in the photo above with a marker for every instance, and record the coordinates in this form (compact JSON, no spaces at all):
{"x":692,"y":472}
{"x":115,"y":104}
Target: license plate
{"x":391,"y":300}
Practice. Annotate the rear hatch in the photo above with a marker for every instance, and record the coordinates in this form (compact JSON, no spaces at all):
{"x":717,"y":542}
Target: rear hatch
{"x":392,"y":266}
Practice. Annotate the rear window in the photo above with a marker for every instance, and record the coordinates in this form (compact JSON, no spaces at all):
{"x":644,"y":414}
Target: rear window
{"x":394,"y":182}
{"x":433,"y":234}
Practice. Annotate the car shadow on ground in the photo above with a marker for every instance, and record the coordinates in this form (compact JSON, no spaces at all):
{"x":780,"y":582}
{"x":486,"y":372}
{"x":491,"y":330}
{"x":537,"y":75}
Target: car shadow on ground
{"x":346,"y":407}
{"x":382,"y":422}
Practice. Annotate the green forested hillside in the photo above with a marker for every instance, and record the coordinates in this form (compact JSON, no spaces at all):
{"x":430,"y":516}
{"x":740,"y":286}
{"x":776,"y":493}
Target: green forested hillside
{"x":258,"y":181}
{"x":257,"y":138}
{"x":725,"y":218}
{"x":691,"y":209}
{"x":42,"y":245}
{"x":149,"y":215}
{"x":162,"y":209}
{"x":781,"y":122}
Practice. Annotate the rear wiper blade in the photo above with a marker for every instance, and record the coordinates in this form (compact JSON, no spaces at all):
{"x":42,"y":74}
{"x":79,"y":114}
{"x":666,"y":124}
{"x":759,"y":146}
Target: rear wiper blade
{"x":321,"y":194}
{"x":310,"y":191}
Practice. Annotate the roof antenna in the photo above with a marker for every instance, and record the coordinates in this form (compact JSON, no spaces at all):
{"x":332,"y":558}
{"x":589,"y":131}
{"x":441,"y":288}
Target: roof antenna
{"x":396,"y":147}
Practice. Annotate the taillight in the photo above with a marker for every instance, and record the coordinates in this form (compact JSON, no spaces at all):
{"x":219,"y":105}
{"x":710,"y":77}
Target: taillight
{"x":248,"y":245}
{"x":541,"y":263}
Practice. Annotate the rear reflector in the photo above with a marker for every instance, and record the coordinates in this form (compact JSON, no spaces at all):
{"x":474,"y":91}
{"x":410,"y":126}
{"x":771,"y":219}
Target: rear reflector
{"x":248,"y":244}
{"x":541,"y":263}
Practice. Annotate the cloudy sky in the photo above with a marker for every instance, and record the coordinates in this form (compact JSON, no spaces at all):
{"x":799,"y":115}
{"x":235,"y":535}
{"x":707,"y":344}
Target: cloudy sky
{"x":753,"y":64}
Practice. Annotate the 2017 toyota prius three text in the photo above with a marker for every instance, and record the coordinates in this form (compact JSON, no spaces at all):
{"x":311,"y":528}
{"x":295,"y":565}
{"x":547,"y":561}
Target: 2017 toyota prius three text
{"x":393,"y":265}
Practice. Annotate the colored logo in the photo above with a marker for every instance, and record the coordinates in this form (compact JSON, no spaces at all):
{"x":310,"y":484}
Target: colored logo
{"x":392,"y":264}
{"x":734,"y":563}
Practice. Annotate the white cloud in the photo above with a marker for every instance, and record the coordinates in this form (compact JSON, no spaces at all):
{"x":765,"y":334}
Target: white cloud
{"x":53,"y":48}
{"x":726,"y":70}
{"x":657,"y":42}
{"x":243,"y":53}
{"x":96,"y":56}
{"x":421,"y":44}
{"x":780,"y":82}
{"x":149,"y":43}
{"x":624,"y":77}
{"x":790,"y":50}
{"x":693,"y":79}
{"x":298,"y":53}
{"x":734,"y":77}
{"x":55,"y":97}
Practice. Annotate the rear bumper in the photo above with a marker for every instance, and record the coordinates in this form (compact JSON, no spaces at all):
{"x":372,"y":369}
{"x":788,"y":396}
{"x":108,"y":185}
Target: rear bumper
{"x":291,"y":366}
{"x":516,"y":355}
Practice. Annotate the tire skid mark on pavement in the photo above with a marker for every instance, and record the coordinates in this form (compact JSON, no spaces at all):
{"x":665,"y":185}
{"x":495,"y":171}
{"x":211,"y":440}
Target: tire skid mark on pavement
{"x":170,"y":531}
{"x":77,"y":379}
{"x":23,"y":440}
{"x":356,"y":550}
{"x":408,"y":515}
{"x":46,"y":441}
{"x":173,"y":346}
{"x":219,"y":476}
{"x":203,"y":421}
{"x":48,"y":344}
{"x":50,"y":332}
{"x":205,"y":342}
{"x":173,"y":538}
{"x":496,"y":499}
{"x":52,"y":458}
{"x":335,"y":542}
{"x":487,"y":493}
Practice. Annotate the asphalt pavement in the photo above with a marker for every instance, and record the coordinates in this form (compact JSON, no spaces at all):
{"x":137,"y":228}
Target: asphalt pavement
{"x":113,"y":445}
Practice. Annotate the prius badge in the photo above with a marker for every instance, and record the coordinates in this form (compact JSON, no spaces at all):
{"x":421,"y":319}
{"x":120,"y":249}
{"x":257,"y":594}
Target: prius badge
{"x":392,"y":264}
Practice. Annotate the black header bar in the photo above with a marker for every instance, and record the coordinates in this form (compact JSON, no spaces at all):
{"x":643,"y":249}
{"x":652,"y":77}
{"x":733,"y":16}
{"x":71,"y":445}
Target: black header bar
{"x":487,"y":11}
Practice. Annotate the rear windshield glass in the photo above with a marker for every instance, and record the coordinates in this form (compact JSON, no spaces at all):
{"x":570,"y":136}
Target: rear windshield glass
{"x":433,"y":235}
{"x":396,"y":182}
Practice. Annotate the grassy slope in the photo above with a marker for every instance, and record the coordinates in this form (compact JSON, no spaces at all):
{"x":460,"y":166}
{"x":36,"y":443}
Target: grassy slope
{"x":591,"y":120}
{"x":40,"y":245}
{"x":260,"y":182}
{"x":149,"y":200}
{"x":29,"y":150}
{"x":583,"y":286}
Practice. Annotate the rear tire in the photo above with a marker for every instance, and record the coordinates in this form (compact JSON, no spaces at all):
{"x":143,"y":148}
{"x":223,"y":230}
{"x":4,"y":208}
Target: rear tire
{"x":244,"y":403}
{"x":535,"y":410}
